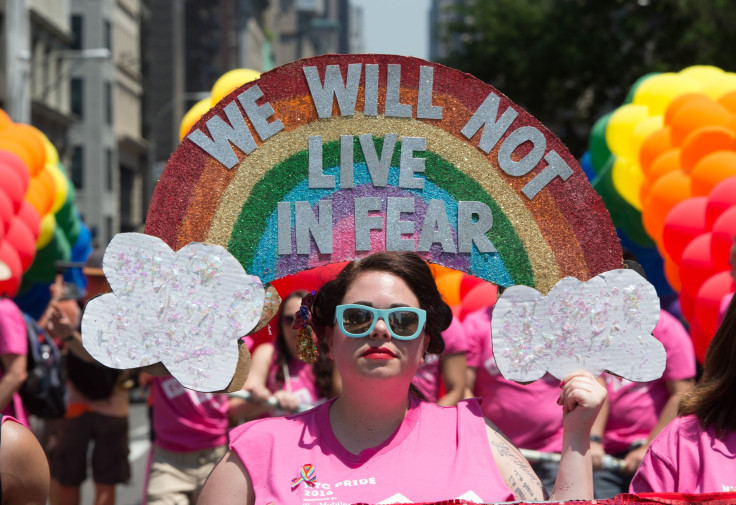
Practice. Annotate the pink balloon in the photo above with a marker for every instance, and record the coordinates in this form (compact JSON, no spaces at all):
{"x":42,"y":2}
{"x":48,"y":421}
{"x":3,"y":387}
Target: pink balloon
{"x":6,"y":213}
{"x":12,"y":161}
{"x":21,"y":238}
{"x":724,"y":230}
{"x":29,"y":215}
{"x":697,"y":264}
{"x":480,"y":296}
{"x":12,"y":185}
{"x":708,"y":301}
{"x":8,"y":255}
{"x":683,"y":223}
{"x":720,"y":198}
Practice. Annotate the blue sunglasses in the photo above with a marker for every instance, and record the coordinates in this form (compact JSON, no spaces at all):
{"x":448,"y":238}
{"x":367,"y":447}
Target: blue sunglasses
{"x":404,"y":323}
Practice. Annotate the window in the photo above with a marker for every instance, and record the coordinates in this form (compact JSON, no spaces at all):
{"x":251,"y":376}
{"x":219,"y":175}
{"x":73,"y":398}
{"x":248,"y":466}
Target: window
{"x":77,"y":169}
{"x":109,"y":159}
{"x":77,"y":99}
{"x":108,"y":35}
{"x":77,"y":32}
{"x":108,"y":228}
{"x":108,"y":103}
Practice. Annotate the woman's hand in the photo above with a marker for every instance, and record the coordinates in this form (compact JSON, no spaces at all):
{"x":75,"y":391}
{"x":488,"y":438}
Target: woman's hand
{"x":582,"y":396}
{"x":287,"y":400}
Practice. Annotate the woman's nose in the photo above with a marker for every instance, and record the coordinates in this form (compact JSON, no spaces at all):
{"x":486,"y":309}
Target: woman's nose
{"x":381,"y":329}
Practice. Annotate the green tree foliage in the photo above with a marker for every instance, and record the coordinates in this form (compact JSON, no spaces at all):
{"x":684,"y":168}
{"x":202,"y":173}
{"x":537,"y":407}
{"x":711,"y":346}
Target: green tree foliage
{"x":568,"y":62}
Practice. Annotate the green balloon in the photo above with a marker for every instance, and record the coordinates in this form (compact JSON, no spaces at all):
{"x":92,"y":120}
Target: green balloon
{"x":43,"y":268}
{"x":599,"y":152}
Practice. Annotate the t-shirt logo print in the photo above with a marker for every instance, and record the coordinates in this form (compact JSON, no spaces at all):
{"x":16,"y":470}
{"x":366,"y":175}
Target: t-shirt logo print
{"x":306,"y":475}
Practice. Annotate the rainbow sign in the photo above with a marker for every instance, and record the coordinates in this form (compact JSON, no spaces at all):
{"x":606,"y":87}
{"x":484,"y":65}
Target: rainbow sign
{"x":331,"y":158}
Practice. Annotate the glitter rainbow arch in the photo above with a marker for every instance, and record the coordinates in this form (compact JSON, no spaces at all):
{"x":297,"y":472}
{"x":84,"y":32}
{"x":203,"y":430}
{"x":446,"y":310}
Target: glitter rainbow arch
{"x":540,"y":233}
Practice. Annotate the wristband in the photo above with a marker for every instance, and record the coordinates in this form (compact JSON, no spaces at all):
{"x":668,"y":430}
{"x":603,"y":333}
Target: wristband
{"x":596,"y":439}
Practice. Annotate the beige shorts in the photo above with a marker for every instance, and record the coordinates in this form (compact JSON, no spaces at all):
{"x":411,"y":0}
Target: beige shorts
{"x":176,"y":478}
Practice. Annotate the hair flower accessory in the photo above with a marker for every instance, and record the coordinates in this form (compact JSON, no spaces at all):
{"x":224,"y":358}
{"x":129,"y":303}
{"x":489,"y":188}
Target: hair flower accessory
{"x":306,"y":341}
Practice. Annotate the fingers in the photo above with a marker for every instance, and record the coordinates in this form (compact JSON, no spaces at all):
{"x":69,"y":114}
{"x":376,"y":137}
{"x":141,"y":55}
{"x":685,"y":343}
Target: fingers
{"x":581,"y":389}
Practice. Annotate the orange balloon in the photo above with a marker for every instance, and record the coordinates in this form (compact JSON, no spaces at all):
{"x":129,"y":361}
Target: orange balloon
{"x":38,"y":197}
{"x":668,"y":191}
{"x":711,"y":170}
{"x":672,"y":273}
{"x":680,"y":102}
{"x":666,"y":162}
{"x":729,"y":101}
{"x":449,"y":286}
{"x":654,"y":145}
{"x":27,"y":136}
{"x":4,"y":119}
{"x":49,"y":184}
{"x":694,"y":115}
{"x":704,"y":141}
{"x":17,"y":148}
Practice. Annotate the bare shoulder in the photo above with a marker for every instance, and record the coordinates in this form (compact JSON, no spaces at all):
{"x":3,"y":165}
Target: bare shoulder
{"x":25,"y":470}
{"x":513,"y":466}
{"x":229,"y":483}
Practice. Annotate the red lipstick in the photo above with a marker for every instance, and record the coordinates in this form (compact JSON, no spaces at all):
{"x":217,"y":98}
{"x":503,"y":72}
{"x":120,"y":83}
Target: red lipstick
{"x":378,"y":353}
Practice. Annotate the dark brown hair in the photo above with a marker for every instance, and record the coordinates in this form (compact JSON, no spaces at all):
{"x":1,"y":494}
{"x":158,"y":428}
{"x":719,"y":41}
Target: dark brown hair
{"x":404,"y":265}
{"x":713,"y":399}
{"x":321,"y":369}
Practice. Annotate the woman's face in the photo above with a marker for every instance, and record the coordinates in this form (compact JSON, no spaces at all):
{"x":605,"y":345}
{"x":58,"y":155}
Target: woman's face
{"x":291,"y":307}
{"x":378,"y":354}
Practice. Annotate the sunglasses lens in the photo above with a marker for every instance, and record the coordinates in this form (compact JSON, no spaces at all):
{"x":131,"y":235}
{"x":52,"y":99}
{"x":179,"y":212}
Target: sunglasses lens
{"x":403,"y":322}
{"x":356,"y":321}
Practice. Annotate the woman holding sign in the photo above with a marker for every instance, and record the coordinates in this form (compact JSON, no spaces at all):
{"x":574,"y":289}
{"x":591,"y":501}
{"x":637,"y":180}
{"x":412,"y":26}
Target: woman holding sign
{"x":376,"y":442}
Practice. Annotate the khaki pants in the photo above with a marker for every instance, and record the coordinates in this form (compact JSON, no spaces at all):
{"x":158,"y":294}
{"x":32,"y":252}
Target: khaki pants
{"x":176,"y":478}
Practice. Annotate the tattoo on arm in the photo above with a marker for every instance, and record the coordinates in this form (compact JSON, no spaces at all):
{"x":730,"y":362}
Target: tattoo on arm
{"x":522,"y":481}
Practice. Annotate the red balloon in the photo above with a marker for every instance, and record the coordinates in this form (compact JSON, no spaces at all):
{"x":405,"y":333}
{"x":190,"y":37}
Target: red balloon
{"x":708,"y":301}
{"x":719,"y":199}
{"x":21,"y":238}
{"x":687,"y":306}
{"x":13,"y":161}
{"x":467,"y":283}
{"x":697,"y":264}
{"x":480,"y":296}
{"x":12,"y":185}
{"x":30,"y":217}
{"x":308,"y":279}
{"x":700,"y":341}
{"x":724,"y":231}
{"x":6,"y":213}
{"x":683,"y":223}
{"x":8,"y":255}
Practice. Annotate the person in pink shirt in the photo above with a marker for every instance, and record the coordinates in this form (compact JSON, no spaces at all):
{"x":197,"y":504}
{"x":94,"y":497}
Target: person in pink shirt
{"x":696,"y":453}
{"x":375,"y":442}
{"x":526,"y":413}
{"x":635,"y":412}
{"x":277,"y":372}
{"x":13,"y":350}
{"x":448,"y":367}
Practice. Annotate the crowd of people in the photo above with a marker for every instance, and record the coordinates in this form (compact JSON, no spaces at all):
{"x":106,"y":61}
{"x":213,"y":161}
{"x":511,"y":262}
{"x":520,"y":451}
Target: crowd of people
{"x":403,"y":403}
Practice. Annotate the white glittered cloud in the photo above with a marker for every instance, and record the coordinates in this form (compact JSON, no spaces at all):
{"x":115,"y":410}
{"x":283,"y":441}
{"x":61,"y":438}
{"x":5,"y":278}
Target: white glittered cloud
{"x":185,"y":309}
{"x":605,"y":323}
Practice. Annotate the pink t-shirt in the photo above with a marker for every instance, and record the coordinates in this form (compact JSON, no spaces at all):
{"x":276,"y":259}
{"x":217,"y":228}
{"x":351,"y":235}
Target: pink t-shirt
{"x":429,"y":374}
{"x":527,"y":414}
{"x":437,"y":453}
{"x":300,"y":382}
{"x":13,"y":340}
{"x":635,"y":406}
{"x":186,"y":420}
{"x":684,"y":458}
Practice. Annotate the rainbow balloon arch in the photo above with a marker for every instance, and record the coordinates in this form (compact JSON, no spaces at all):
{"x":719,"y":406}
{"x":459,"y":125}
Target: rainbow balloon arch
{"x":664,"y":163}
{"x":39,"y":222}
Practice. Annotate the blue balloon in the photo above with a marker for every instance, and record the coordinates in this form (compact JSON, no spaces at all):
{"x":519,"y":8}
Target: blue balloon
{"x":586,"y":163}
{"x":651,"y":261}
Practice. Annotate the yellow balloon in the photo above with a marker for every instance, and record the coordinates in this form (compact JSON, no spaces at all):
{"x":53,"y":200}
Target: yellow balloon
{"x":702,"y":73}
{"x":720,"y":85}
{"x":627,"y":178}
{"x":48,"y":224}
{"x":231,"y":80}
{"x":642,"y":131}
{"x":61,"y":186}
{"x":192,"y":116}
{"x":52,"y":155}
{"x":621,"y":127}
{"x":658,"y":91}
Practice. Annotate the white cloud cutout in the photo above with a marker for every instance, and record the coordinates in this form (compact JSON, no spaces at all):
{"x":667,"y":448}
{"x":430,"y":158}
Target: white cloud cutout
{"x":605,"y":323}
{"x":185,"y":309}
